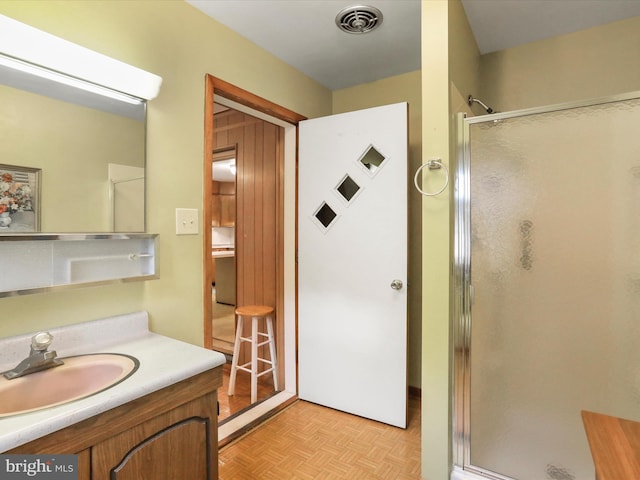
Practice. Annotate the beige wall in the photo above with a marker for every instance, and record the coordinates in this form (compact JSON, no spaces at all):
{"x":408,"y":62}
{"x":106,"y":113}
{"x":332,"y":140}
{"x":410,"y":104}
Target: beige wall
{"x":435,"y":243}
{"x":400,"y":88}
{"x":450,"y":72}
{"x":591,"y":63}
{"x":179,"y":43}
{"x":464,"y":58}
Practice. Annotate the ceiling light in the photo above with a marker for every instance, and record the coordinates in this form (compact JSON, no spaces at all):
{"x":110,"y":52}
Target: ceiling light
{"x":28,"y":47}
{"x":359,"y":19}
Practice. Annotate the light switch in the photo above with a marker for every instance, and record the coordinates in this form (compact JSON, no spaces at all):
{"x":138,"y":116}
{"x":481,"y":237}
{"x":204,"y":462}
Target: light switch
{"x":186,"y":221}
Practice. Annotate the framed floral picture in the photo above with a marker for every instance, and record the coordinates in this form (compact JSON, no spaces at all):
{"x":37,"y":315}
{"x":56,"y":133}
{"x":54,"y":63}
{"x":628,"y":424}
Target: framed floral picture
{"x":19,"y":199}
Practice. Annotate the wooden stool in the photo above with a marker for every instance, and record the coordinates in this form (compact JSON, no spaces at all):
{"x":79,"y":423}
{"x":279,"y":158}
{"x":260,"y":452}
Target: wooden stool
{"x":256,"y":312}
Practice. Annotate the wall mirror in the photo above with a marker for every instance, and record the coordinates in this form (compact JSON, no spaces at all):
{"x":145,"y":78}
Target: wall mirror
{"x":71,"y":160}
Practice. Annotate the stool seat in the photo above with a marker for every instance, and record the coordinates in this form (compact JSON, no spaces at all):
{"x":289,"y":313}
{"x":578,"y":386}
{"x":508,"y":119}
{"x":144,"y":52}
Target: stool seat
{"x":256,"y":340}
{"x":254,"y":311}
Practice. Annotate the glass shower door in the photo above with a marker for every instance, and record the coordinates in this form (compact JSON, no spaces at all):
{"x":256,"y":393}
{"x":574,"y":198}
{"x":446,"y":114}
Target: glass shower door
{"x":548,"y":236}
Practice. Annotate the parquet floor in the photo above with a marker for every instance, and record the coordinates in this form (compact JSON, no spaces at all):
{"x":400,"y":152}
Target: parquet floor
{"x":241,"y":398}
{"x":308,"y":441}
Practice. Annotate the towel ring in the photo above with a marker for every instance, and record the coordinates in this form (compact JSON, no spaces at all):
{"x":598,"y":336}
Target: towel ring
{"x":435,"y":164}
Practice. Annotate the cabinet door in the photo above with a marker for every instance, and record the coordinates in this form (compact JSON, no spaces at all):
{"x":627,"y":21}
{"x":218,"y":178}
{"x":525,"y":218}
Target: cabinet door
{"x":216,"y":210}
{"x":84,"y":465}
{"x":178,"y":445}
{"x":176,"y":453}
{"x":227,"y":210}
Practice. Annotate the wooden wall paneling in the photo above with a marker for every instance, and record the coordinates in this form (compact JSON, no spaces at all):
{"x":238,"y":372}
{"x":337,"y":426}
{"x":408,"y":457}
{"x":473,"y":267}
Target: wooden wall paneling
{"x":269,"y":182}
{"x":259,"y":232}
{"x":261,"y":278}
{"x":249,"y":224}
{"x":238,"y":137}
{"x":256,"y":213}
{"x":246,"y":234}
{"x":247,"y":213}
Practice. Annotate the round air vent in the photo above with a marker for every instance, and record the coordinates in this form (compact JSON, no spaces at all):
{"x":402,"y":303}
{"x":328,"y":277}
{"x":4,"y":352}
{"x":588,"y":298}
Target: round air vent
{"x":359,"y":19}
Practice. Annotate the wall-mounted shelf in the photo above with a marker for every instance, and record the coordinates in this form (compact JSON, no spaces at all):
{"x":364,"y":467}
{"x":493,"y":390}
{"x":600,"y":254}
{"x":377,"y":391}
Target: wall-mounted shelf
{"x":37,"y":263}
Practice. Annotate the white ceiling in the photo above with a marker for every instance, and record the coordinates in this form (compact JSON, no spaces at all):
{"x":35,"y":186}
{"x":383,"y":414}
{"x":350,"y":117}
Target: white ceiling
{"x":303,"y":33}
{"x":500,"y":24}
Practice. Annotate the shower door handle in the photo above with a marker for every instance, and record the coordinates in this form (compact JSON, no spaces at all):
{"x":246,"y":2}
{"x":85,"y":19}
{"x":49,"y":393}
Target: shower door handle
{"x":396,"y":284}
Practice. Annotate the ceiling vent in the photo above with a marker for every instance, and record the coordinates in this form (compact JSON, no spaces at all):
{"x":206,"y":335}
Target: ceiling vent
{"x":359,"y":19}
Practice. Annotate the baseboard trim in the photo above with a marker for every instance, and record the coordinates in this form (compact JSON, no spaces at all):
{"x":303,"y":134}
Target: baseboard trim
{"x":252,"y":418}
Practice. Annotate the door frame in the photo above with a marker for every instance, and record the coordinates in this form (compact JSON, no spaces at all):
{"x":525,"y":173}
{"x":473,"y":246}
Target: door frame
{"x":237,"y":98}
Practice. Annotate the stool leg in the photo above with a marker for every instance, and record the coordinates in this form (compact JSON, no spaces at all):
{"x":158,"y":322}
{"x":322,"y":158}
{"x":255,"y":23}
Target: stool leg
{"x":234,"y":361}
{"x":254,"y":359}
{"x":272,"y":352}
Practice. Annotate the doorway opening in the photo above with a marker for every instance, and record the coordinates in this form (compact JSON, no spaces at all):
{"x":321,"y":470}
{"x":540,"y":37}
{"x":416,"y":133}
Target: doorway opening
{"x":238,"y":216}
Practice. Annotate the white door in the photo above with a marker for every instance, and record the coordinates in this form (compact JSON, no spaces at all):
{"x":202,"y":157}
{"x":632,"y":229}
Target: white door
{"x":352,"y":262}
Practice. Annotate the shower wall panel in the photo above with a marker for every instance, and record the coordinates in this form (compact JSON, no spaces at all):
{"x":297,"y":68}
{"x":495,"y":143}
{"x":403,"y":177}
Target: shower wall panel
{"x":555,"y":266}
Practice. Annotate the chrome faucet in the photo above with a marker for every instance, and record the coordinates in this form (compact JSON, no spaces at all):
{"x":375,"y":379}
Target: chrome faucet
{"x":39,"y":357}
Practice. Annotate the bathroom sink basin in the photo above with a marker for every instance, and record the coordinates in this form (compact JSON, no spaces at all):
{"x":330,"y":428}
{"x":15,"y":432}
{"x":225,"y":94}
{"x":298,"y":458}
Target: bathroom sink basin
{"x":79,"y":377}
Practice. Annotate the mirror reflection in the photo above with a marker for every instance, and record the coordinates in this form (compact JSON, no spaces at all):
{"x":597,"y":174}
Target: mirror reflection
{"x":85,"y":165}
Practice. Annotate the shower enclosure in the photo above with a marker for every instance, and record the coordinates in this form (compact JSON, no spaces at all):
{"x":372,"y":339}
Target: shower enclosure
{"x":547,"y":285}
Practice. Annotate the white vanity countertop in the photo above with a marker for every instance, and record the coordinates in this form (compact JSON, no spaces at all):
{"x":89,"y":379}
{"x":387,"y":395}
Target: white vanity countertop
{"x":163,"y":362}
{"x":223,"y":253}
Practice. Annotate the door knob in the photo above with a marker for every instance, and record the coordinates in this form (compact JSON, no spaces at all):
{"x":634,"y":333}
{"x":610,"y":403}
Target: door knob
{"x":396,"y":284}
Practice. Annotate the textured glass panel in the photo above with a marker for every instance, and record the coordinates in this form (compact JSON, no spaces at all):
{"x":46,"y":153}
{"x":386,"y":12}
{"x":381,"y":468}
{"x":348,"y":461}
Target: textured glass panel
{"x":372,"y":159}
{"x":555,"y":237}
{"x":325,"y":215}
{"x":348,"y":188}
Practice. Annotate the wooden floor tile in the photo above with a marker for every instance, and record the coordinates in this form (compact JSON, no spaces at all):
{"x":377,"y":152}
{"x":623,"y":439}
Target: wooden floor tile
{"x":308,"y":441}
{"x":241,"y":400}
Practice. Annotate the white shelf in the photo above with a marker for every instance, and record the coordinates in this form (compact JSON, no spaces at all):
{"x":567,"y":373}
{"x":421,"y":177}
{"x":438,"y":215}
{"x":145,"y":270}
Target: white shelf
{"x":34,"y":263}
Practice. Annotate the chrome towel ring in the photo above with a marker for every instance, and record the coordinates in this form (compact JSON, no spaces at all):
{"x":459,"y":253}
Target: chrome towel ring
{"x":433,"y":164}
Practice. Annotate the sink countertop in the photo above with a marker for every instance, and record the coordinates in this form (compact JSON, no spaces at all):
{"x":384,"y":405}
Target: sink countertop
{"x":163,"y":362}
{"x":223,"y":253}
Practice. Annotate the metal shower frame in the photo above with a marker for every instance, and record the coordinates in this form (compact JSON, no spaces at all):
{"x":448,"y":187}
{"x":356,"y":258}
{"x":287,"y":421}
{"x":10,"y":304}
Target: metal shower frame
{"x":461,"y":289}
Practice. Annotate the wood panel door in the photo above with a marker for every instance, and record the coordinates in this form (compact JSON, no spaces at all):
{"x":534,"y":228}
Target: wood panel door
{"x":177,"y":445}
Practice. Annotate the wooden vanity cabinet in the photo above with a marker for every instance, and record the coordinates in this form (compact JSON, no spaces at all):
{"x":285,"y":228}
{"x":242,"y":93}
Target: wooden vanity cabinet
{"x":171,"y":434}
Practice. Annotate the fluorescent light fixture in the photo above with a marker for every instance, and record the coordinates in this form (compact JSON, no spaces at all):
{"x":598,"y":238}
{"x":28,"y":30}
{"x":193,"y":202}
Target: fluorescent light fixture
{"x":46,"y":74}
{"x":24,"y":47}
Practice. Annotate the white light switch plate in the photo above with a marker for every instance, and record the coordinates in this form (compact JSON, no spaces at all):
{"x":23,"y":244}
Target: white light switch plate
{"x":187,"y":221}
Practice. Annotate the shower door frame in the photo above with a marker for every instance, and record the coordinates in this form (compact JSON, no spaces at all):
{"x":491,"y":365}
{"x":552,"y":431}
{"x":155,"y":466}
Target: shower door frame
{"x":462,"y":289}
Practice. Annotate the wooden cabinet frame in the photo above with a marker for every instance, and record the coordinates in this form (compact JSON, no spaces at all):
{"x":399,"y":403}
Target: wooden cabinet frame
{"x":104,"y":441}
